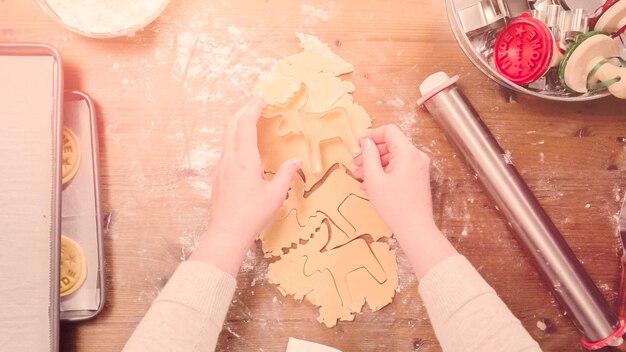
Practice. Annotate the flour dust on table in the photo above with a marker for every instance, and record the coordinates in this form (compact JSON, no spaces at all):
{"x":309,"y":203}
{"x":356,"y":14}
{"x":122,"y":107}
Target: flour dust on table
{"x":328,"y":243}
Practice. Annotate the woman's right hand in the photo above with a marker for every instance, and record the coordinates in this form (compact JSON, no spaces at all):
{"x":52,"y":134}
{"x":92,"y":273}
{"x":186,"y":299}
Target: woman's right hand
{"x":396,"y":177}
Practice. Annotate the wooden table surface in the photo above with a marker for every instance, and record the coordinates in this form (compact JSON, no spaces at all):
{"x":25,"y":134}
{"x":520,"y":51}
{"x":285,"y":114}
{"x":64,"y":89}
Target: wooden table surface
{"x":162,"y":98}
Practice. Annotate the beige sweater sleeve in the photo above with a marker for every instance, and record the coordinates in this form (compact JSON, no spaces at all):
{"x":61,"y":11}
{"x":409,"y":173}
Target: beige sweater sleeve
{"x":467,"y":314}
{"x":188,"y":314}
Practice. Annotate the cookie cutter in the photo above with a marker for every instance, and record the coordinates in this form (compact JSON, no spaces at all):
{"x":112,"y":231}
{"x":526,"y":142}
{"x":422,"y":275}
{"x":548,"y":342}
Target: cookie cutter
{"x":477,"y":23}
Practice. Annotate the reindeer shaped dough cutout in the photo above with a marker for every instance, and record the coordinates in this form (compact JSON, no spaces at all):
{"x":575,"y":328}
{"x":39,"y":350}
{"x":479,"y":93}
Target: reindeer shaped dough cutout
{"x":340,"y":263}
{"x":325,"y":199}
{"x":339,"y":281}
{"x":351,"y":216}
{"x":315,"y":127}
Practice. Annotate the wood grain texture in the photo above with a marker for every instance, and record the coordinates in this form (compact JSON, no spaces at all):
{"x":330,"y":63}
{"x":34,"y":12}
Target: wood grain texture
{"x":161,"y":105}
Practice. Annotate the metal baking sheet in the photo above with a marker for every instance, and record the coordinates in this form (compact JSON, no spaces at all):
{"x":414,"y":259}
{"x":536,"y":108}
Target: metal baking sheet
{"x":81,"y":216}
{"x":31,"y":103}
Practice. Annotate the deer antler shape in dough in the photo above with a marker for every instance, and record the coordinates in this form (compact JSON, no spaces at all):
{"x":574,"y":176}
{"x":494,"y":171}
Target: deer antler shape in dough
{"x":315,"y":127}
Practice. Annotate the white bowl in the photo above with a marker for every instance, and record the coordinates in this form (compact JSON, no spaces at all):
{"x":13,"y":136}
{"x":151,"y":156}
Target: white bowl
{"x":127,"y":29}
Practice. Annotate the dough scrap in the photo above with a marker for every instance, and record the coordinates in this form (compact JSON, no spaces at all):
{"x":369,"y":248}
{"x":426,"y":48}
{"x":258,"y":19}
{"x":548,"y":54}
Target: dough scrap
{"x":279,"y":89}
{"x":285,"y":233}
{"x":317,"y":68}
{"x":315,"y":127}
{"x":359,"y":281}
{"x":316,"y":56}
{"x":326,"y":199}
{"x":275,"y":150}
{"x":339,"y":199}
{"x":358,"y":211}
{"x":339,"y":281}
{"x":328,"y":239}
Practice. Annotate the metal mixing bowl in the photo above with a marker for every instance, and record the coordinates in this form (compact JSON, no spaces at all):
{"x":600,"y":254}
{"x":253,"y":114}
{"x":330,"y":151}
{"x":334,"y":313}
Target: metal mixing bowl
{"x":477,"y":43}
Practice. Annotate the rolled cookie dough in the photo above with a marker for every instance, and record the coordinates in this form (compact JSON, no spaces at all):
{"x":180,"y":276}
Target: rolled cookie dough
{"x":330,"y":244}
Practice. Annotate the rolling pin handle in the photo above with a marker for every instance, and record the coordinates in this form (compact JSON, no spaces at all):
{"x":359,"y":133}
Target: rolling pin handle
{"x":614,"y":340}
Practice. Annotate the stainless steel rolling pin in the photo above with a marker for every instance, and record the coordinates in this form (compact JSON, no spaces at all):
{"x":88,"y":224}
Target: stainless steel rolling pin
{"x":554,"y":259}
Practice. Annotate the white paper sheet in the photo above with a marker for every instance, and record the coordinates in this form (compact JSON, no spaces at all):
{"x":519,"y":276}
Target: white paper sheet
{"x":26,"y":193}
{"x":295,"y":345}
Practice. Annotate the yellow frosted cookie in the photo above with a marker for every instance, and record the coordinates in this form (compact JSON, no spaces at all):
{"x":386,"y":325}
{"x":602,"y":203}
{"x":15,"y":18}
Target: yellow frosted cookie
{"x":71,"y":155}
{"x":73,"y":266}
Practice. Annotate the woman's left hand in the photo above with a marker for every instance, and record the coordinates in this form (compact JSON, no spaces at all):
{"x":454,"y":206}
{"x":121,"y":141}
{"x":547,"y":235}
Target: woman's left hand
{"x":244,"y":200}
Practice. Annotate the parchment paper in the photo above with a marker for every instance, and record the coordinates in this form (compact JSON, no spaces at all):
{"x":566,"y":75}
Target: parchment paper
{"x":79,"y":209}
{"x":26,"y":196}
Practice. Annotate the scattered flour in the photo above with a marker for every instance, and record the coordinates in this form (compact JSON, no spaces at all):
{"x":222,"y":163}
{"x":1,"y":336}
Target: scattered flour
{"x":206,"y":130}
{"x":200,"y":163}
{"x":467,"y":223}
{"x":507,"y":157}
{"x":448,"y":212}
{"x":396,"y":102}
{"x":617,"y":193}
{"x":604,"y":287}
{"x":213,"y":63}
{"x":188,"y":243}
{"x":218,"y":66}
{"x":230,"y":330}
{"x":254,"y":262}
{"x":203,"y":156}
{"x":407,"y":121}
{"x":318,"y":11}
{"x":406,"y":278}
{"x":203,"y":186}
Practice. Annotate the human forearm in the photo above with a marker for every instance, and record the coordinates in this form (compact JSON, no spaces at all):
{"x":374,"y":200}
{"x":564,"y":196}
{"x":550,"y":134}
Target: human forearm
{"x":467,"y":314}
{"x":188,"y":314}
{"x":244,"y":199}
{"x":465,"y":311}
{"x":396,"y":176}
{"x":425,"y":246}
{"x":224,"y":251}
